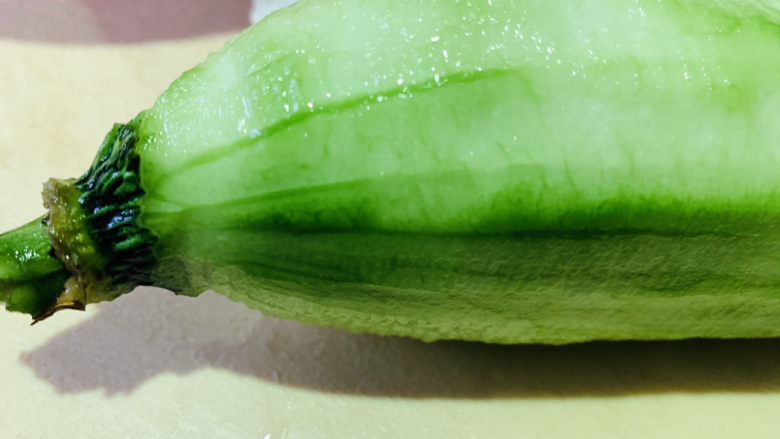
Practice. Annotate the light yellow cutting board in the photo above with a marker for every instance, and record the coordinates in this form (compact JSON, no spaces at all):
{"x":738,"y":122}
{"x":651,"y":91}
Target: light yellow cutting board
{"x":151,"y":365}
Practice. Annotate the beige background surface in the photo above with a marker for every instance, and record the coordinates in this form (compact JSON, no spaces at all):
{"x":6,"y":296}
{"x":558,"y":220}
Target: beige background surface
{"x":153,"y":365}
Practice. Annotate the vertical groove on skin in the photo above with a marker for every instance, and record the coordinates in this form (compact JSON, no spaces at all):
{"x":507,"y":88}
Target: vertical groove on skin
{"x":110,"y":198}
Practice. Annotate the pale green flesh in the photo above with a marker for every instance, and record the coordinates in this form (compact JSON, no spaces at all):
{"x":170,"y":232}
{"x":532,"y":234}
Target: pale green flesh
{"x":507,"y":172}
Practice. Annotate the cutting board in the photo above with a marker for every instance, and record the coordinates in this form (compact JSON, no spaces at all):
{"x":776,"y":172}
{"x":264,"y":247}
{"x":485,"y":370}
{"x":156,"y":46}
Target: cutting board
{"x":153,"y":365}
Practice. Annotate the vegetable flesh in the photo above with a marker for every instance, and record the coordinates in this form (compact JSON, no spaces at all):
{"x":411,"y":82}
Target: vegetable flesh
{"x":425,"y":180}
{"x":530,"y":171}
